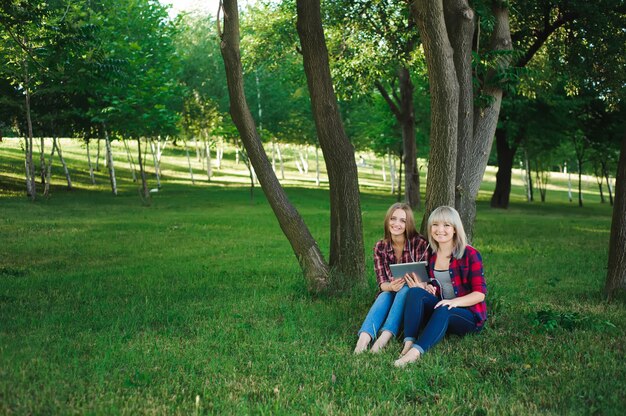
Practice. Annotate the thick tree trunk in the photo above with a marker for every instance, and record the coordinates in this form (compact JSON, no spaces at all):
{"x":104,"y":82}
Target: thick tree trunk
{"x":506,"y":155}
{"x":444,"y":92}
{"x":460,"y":23}
{"x":476,"y":155}
{"x":346,"y":233}
{"x":616,"y":275}
{"x":302,"y":242}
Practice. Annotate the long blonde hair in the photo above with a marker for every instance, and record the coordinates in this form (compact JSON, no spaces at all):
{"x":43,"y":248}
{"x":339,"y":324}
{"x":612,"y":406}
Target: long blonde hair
{"x":451,"y":216}
{"x":409,"y":229}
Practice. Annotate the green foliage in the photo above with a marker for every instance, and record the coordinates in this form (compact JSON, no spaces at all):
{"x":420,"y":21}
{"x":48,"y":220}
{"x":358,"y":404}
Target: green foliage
{"x":549,"y":320}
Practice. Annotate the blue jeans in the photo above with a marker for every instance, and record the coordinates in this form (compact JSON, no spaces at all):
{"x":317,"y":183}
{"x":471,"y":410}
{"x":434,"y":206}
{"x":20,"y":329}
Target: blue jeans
{"x":420,"y":312}
{"x":388,"y":308}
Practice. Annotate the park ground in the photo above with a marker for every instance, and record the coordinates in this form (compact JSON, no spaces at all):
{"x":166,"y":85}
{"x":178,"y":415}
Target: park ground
{"x":194,"y":303}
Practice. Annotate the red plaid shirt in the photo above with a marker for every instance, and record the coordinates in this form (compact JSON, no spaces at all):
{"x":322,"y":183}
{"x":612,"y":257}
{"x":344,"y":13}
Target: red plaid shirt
{"x":467,"y":276}
{"x":415,"y":249}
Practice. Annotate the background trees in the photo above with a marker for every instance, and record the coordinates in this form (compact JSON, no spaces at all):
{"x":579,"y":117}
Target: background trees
{"x":125,"y":70}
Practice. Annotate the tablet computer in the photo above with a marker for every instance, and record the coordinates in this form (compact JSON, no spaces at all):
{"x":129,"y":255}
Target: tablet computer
{"x":419,"y":268}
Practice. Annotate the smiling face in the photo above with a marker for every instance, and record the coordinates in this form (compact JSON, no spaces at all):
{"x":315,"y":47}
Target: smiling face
{"x":397,"y":223}
{"x":442,"y":232}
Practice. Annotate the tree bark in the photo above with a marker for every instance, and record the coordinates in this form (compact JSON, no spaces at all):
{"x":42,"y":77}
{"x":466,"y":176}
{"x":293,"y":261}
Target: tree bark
{"x":460,"y":23}
{"x":506,"y":156}
{"x":346,"y":234}
{"x":444,"y":92}
{"x":616,"y":275}
{"x":476,"y":155}
{"x":109,"y":160}
{"x":145,"y":194}
{"x":56,"y":142}
{"x":405,"y":115}
{"x":91,"y":175}
{"x":291,"y":223}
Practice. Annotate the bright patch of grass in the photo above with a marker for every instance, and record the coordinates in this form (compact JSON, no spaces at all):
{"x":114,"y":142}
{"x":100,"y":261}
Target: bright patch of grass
{"x":195,"y":304}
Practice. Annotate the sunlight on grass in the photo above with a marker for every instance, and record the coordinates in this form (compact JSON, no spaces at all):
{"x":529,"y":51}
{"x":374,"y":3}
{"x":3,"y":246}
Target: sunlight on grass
{"x":196,"y":304}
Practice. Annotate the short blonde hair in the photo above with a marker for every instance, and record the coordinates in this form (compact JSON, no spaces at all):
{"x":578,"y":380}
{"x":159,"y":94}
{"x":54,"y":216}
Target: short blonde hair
{"x":409,"y":230}
{"x":451,"y":216}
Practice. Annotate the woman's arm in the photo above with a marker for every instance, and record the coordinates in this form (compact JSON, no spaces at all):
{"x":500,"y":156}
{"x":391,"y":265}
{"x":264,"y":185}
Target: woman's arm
{"x":470,"y":299}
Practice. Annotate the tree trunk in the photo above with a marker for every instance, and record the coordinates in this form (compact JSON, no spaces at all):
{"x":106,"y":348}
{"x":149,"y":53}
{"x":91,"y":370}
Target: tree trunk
{"x":31,"y":184}
{"x":405,"y":115}
{"x":156,"y":164}
{"x":98,"y":156}
{"x":189,"y":162}
{"x":346,"y":233}
{"x":475,"y":156}
{"x":46,"y":187}
{"x":91,"y":175}
{"x":145,"y":194}
{"x":580,"y":183}
{"x":506,"y":155}
{"x":207,"y":151}
{"x":411,"y":175}
{"x":42,"y":161}
{"x":616,"y":275}
{"x":460,"y":22}
{"x":131,"y":163}
{"x":109,"y":159}
{"x":302,"y":242}
{"x":57,"y":143}
{"x":444,"y":92}
{"x":605,"y":172}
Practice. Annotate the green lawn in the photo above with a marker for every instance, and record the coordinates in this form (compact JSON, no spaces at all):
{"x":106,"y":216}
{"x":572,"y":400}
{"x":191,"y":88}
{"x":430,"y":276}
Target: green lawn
{"x":195,"y":305}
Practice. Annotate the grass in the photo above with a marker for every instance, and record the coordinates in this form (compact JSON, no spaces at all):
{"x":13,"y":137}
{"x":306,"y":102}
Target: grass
{"x":195,"y":305}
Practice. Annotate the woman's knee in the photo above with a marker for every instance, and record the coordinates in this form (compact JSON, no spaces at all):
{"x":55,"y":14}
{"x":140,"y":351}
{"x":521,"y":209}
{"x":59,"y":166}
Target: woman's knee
{"x":416,"y":293}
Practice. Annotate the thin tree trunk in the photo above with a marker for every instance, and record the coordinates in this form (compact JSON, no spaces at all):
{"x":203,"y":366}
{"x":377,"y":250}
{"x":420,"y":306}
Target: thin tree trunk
{"x":400,"y":165}
{"x":57,"y":143}
{"x":605,"y":172}
{"x":384,"y":172}
{"x":98,"y":156}
{"x":109,"y":160}
{"x":155,"y":162}
{"x":31,"y":185}
{"x":91,"y":174}
{"x":131,"y":162}
{"x":317,"y":165}
{"x":302,"y":242}
{"x":145,"y":194}
{"x":616,"y":274}
{"x":580,"y":183}
{"x":207,"y":151}
{"x":599,"y":181}
{"x":281,"y":162}
{"x":189,"y":162}
{"x":569,"y":185}
{"x":392,"y":172}
{"x":347,"y":260}
{"x":42,"y":161}
{"x":46,"y":189}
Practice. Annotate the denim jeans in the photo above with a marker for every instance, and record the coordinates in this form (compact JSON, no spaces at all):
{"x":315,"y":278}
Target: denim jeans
{"x":420,"y":313}
{"x":386,"y":313}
